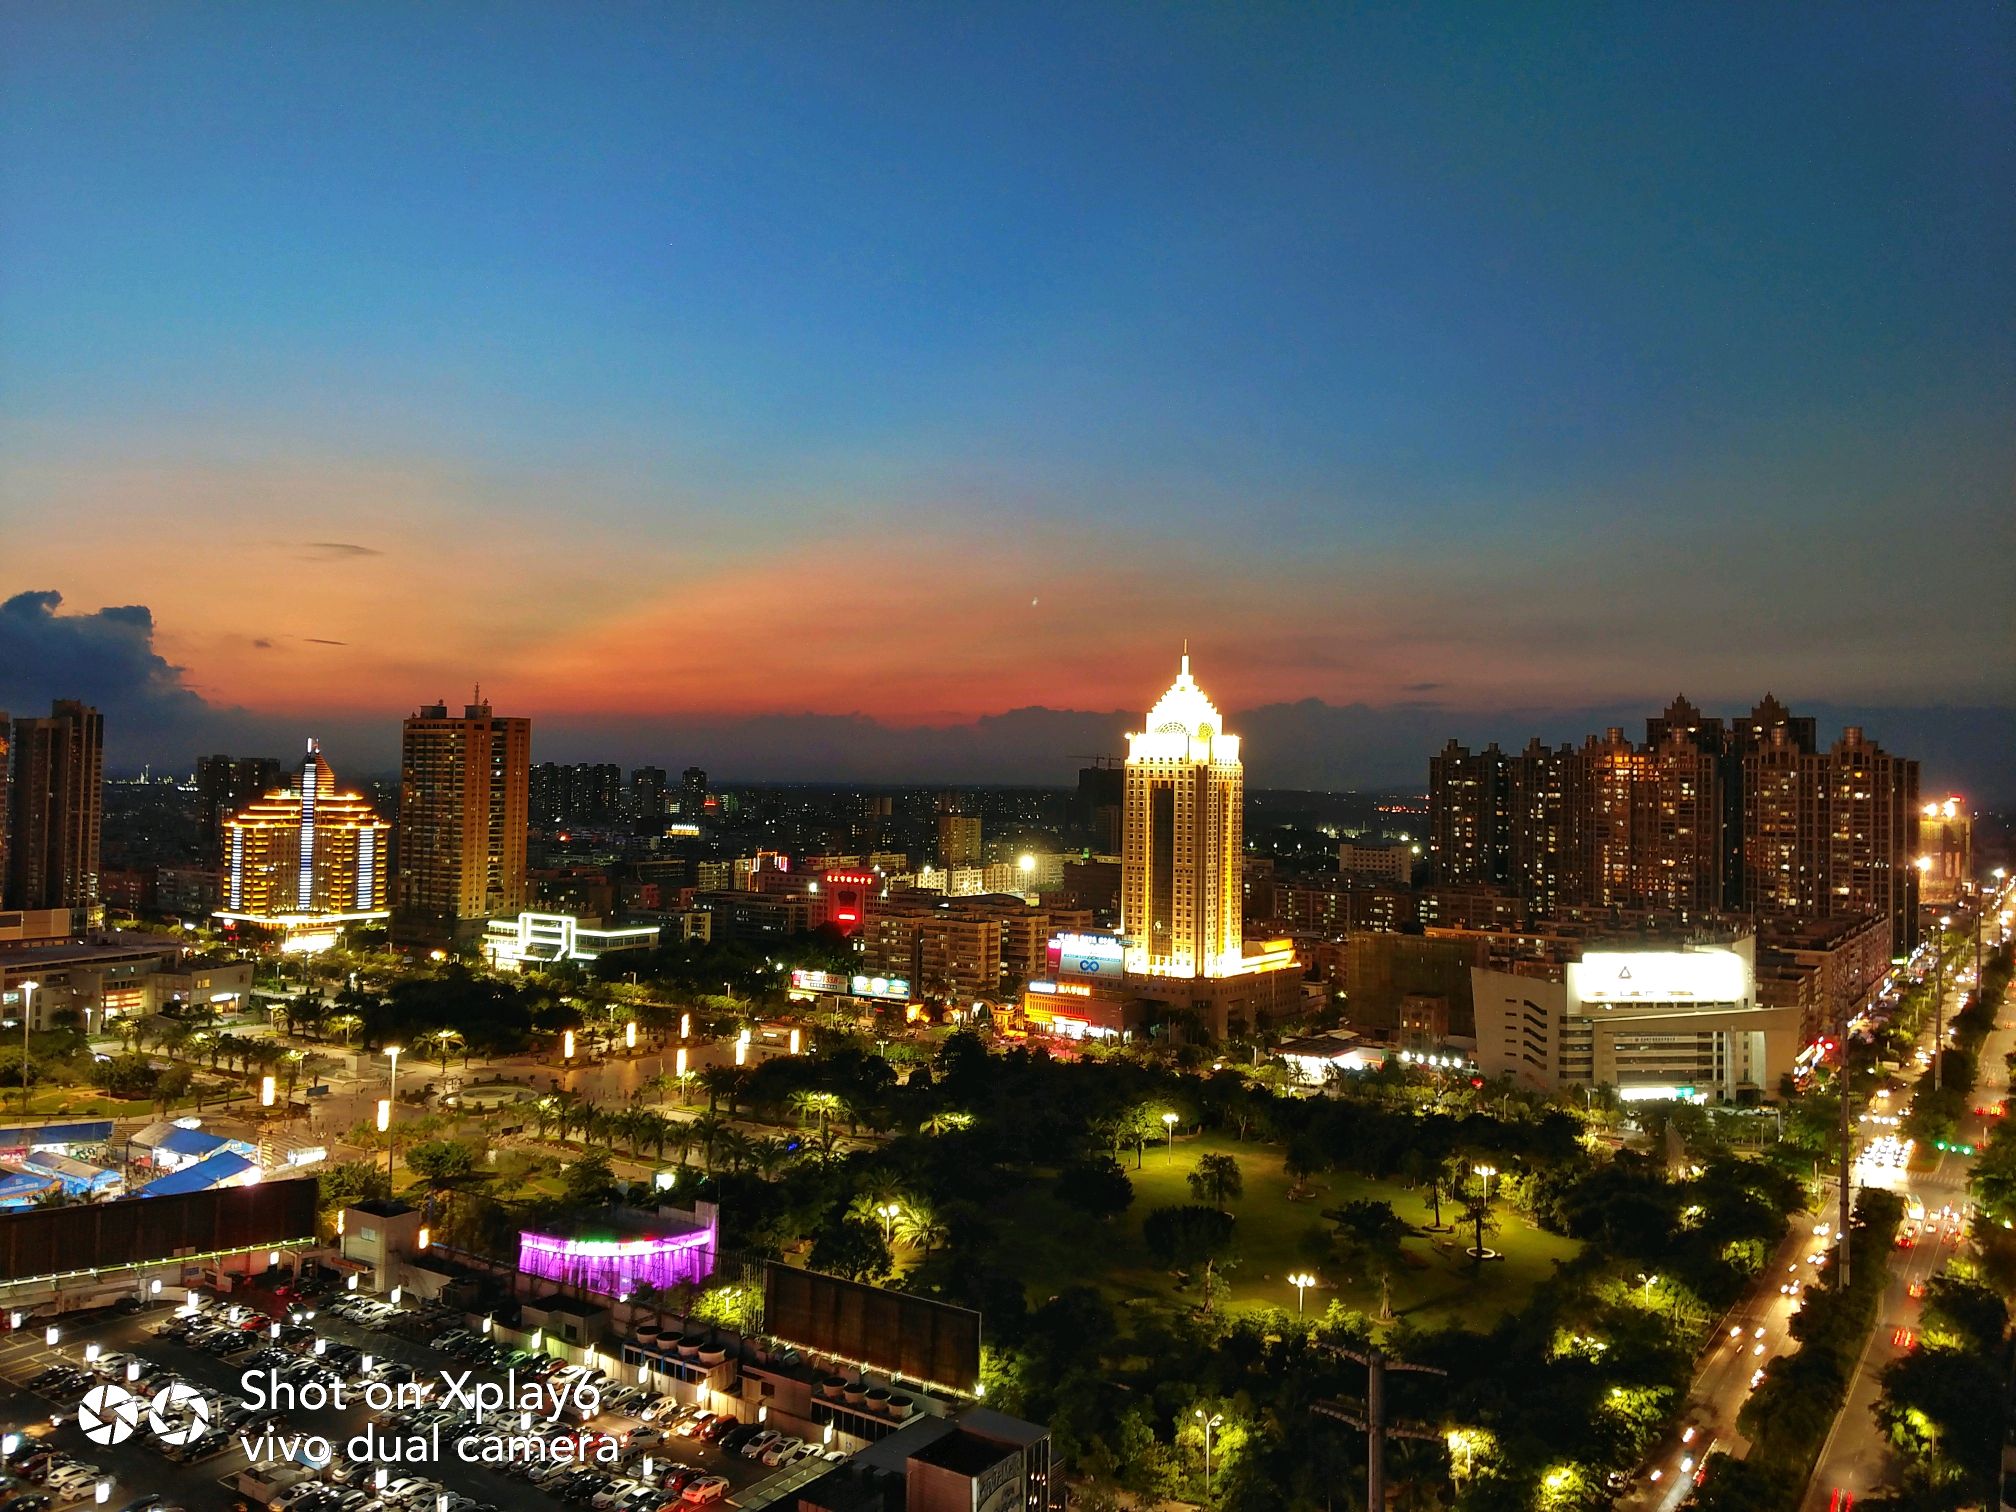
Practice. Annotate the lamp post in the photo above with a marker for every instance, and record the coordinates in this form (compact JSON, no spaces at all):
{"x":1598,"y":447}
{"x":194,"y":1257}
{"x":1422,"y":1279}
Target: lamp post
{"x":1649,"y":1282}
{"x":1209,"y":1423}
{"x":28,"y":990}
{"x":391,"y":1102}
{"x":887,"y":1212}
{"x":1301,"y":1281}
{"x":1169,"y":1124}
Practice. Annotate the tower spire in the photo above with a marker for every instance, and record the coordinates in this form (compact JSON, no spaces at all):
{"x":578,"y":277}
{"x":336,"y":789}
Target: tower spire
{"x":1186,"y":656}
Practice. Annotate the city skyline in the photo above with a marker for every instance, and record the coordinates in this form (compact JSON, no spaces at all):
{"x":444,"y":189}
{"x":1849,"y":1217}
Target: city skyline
{"x":741,"y":405}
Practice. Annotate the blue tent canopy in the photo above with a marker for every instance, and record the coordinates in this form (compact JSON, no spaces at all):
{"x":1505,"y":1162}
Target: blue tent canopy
{"x":191,"y":1142}
{"x":199,"y":1177}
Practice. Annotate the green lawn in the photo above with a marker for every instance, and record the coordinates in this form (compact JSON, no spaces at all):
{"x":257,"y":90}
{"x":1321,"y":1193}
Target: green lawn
{"x":73,"y":1102}
{"x":1435,"y":1285}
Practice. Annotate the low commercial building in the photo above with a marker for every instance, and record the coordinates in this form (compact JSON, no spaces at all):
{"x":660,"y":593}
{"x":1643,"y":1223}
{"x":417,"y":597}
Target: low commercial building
{"x":1678,"y":1022}
{"x":112,"y":976}
{"x":543,"y":939}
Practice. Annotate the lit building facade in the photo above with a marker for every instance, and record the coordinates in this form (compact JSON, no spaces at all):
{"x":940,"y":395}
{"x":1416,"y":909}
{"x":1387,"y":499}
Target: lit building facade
{"x":463,"y":801}
{"x":1181,"y":891}
{"x":303,"y":863}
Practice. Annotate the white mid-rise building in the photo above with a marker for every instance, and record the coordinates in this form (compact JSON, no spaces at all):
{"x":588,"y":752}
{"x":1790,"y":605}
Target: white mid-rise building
{"x":1680,"y":1022}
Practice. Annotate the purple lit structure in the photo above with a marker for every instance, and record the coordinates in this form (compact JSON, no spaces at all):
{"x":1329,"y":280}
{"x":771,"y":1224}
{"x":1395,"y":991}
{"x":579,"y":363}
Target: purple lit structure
{"x":617,"y":1267}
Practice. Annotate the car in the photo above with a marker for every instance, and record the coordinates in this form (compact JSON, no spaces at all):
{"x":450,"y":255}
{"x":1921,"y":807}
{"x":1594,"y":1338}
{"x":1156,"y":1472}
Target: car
{"x":708,"y":1489}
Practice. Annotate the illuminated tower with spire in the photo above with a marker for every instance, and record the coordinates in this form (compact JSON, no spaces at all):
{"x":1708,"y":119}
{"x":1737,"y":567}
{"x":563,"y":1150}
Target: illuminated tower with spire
{"x":1180,"y":885}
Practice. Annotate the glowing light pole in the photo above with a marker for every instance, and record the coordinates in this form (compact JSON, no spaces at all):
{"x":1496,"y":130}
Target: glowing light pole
{"x":27,"y":1013}
{"x":887,"y":1212}
{"x":1209,"y":1423}
{"x":1649,"y":1283}
{"x":1301,"y":1281}
{"x":1169,"y":1124}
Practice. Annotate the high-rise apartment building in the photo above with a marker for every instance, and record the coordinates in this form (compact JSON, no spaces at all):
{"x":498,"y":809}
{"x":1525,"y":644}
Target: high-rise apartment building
{"x":302,"y":862}
{"x":225,"y":784}
{"x":1180,"y":887}
{"x":1749,"y":816}
{"x":463,"y":798}
{"x":580,"y":792}
{"x":958,"y":840}
{"x":1467,"y":819}
{"x":692,"y":792}
{"x":55,"y":803}
{"x":647,"y":795}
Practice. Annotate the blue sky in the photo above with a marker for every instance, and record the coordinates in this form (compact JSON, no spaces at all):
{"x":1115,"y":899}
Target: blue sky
{"x":1549,"y":356}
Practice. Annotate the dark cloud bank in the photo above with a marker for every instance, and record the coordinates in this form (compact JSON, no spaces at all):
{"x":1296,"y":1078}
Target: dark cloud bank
{"x":108,"y":658}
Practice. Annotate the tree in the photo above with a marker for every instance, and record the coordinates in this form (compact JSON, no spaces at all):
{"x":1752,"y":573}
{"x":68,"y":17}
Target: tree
{"x":588,"y":1182}
{"x":1181,"y":1238}
{"x":1370,"y":1235}
{"x":1217,"y":1180}
{"x":851,"y":1249}
{"x":1097,"y":1187}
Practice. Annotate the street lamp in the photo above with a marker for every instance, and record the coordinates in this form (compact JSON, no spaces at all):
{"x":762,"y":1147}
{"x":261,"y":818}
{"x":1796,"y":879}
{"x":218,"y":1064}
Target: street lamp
{"x":1649,"y":1282}
{"x":887,"y":1212}
{"x":27,"y":1014}
{"x":1301,"y":1281}
{"x":1169,"y":1123}
{"x":1209,"y":1423}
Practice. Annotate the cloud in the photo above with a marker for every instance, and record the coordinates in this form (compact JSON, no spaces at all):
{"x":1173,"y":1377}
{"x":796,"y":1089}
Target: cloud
{"x":263,"y":644}
{"x":107,"y":659}
{"x":316,"y":640}
{"x":1421,"y":687}
{"x":337,"y":551}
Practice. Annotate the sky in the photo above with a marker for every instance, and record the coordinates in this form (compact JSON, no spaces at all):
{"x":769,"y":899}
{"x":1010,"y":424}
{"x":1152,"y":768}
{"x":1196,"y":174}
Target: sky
{"x":890,"y":390}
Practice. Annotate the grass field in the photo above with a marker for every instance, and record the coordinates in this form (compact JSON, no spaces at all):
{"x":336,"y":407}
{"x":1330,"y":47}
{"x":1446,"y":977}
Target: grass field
{"x":1436,"y":1284}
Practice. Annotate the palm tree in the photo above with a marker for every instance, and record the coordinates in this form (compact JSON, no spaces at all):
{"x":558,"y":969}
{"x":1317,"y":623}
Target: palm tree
{"x":445,"y":1042}
{"x":737,"y":1149}
{"x":723,"y":1083}
{"x":945,"y":1122}
{"x":706,"y":1131}
{"x":769,"y":1155}
{"x":345,"y":1025}
{"x":921,"y":1228}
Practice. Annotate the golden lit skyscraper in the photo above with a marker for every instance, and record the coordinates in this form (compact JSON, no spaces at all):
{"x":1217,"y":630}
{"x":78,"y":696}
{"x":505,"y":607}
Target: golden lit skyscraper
{"x":1181,"y":853}
{"x":305,"y":861}
{"x":464,"y":792}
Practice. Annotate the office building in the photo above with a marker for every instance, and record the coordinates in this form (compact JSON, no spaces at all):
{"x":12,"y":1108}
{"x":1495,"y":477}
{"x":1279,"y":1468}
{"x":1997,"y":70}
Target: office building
{"x":1945,"y":850}
{"x":1383,"y":861}
{"x":1655,"y":1023}
{"x":55,"y":802}
{"x":463,"y":798}
{"x":224,"y":785}
{"x":305,"y":862}
{"x":1181,"y":891}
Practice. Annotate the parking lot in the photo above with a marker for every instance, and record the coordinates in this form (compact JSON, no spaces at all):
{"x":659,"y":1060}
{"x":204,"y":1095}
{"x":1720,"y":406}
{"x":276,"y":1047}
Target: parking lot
{"x":417,"y":1410}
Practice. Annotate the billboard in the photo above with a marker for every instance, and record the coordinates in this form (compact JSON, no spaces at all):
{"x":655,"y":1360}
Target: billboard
{"x":927,"y":1341}
{"x":1659,"y":976}
{"x":43,"y":1242}
{"x":818,"y":981}
{"x":1087,"y":955}
{"x":894,"y":989}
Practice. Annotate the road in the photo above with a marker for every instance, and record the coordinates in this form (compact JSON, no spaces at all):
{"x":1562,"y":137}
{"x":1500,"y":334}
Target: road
{"x":1855,"y":1459}
{"x":1750,"y":1335}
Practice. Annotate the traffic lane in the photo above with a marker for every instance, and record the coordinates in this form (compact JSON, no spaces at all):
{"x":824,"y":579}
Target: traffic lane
{"x":1855,"y":1458}
{"x":1721,"y":1381}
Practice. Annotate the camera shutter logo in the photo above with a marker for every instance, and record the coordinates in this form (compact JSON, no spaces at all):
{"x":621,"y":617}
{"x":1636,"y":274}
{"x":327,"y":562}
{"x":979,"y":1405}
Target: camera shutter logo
{"x":168,"y":1429}
{"x":109,"y":1414}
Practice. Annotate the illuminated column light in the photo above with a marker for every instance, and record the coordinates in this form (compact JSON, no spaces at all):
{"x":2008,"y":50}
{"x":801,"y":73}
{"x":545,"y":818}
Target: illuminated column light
{"x":630,"y":1035}
{"x":267,"y":1090}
